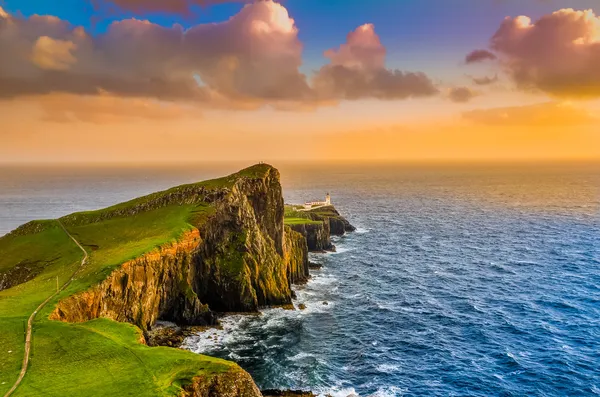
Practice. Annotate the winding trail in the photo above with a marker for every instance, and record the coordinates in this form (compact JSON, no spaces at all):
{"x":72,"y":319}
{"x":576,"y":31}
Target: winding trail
{"x":40,"y":307}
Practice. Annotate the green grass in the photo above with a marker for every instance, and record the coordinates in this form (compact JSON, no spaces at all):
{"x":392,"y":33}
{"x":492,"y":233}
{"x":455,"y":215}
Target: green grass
{"x":53,"y":255}
{"x":300,"y":221}
{"x":112,"y":242}
{"x":294,"y":217}
{"x":99,"y":357}
{"x":104,"y":358}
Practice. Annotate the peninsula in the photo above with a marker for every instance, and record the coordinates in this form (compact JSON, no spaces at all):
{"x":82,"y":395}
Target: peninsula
{"x":79,"y":294}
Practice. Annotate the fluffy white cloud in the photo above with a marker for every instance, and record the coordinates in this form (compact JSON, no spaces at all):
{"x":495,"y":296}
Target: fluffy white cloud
{"x":53,"y":54}
{"x":558,"y":54}
{"x":254,"y":55}
{"x":248,"y":61}
{"x":357,"y":70}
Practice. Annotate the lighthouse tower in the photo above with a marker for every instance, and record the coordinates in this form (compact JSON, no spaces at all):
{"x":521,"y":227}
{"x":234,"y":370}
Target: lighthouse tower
{"x":327,"y":199}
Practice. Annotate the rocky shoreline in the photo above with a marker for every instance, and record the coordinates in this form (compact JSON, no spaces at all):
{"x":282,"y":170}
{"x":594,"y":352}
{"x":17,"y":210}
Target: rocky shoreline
{"x":316,"y":239}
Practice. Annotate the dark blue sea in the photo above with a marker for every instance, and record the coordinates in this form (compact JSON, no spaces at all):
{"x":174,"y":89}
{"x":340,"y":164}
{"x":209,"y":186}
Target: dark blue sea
{"x":461,"y":280}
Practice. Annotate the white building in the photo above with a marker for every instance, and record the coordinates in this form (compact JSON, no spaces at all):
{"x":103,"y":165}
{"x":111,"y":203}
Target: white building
{"x":310,"y":204}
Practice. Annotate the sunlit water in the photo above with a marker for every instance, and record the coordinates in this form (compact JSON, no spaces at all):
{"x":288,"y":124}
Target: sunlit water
{"x":467,"y":280}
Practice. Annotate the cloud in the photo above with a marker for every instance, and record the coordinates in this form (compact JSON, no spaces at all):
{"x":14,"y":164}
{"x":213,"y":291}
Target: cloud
{"x":558,"y":54}
{"x":544,"y":114}
{"x":251,"y":60}
{"x":169,"y":6}
{"x":478,"y":56}
{"x":53,"y":54}
{"x":485,"y":80}
{"x":461,"y":94}
{"x":357,"y":70}
{"x":254,"y":56}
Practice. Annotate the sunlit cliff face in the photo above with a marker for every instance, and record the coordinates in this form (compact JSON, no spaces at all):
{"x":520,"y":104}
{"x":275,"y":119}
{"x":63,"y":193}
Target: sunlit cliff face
{"x":246,"y":84}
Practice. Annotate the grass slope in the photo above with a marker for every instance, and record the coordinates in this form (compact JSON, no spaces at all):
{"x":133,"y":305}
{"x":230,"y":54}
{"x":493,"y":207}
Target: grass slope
{"x":293,"y":216}
{"x":100,"y":357}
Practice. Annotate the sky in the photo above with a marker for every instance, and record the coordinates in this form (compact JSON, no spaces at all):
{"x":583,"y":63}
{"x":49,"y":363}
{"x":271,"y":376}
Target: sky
{"x":385,"y":80}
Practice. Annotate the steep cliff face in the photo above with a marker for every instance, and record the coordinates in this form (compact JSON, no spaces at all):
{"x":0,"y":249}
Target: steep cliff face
{"x":156,"y":285}
{"x":238,"y":259}
{"x":317,"y":235}
{"x":296,"y":256}
{"x":240,"y":266}
{"x":318,"y":225}
{"x":338,"y":225}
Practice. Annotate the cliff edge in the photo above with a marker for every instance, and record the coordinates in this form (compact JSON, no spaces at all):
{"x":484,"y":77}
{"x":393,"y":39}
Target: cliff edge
{"x":317,"y":225}
{"x":183,"y":255}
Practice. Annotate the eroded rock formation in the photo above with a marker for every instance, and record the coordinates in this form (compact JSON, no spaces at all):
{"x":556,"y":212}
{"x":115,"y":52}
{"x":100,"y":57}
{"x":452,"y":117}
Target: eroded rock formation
{"x":237,"y":260}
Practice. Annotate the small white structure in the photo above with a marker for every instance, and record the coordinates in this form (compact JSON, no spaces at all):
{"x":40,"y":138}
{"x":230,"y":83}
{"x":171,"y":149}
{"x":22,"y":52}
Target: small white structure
{"x":310,"y":204}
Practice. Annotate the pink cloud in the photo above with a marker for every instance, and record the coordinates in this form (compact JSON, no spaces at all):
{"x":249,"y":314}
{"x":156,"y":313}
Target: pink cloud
{"x":255,"y":55}
{"x":252,"y":59}
{"x":558,"y":54}
{"x":357,"y":70}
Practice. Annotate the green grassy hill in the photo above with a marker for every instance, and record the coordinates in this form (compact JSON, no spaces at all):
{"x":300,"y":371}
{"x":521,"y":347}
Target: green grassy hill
{"x":295,"y":217}
{"x":99,"y":357}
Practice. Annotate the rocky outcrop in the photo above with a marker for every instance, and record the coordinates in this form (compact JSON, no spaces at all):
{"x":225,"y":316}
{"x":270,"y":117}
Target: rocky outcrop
{"x":236,"y":383}
{"x":317,"y":235}
{"x":338,"y":225}
{"x":321,"y":223}
{"x":239,"y":266}
{"x":141,"y":291}
{"x":296,"y":256}
{"x":237,"y":260}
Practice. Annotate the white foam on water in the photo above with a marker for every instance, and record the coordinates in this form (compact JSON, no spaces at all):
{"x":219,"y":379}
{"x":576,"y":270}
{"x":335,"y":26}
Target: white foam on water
{"x":232,"y":326}
{"x":388,"y":368}
{"x":338,"y":392}
{"x":300,"y":356}
{"x":390,"y":391}
{"x":212,"y":338}
{"x":361,"y":230}
{"x":339,"y":250}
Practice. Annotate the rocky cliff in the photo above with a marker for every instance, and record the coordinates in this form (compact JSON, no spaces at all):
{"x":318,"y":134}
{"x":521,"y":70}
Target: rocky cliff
{"x":237,"y":256}
{"x":317,"y":235}
{"x":296,"y":256}
{"x":237,"y":260}
{"x":324,"y":222}
{"x":338,"y":225}
{"x":231,"y":384}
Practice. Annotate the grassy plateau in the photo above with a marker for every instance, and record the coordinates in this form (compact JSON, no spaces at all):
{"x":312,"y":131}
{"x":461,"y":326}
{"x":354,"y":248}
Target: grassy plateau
{"x":100,"y":357}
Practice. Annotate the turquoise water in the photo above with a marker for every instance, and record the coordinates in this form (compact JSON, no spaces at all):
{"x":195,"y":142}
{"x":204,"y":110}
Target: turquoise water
{"x":462,"y":280}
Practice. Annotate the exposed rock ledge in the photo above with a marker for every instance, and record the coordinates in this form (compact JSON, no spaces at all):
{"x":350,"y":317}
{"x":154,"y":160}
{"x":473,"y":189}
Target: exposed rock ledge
{"x":326,"y":221}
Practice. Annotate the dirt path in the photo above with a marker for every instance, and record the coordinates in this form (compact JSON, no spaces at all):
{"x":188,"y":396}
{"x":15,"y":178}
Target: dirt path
{"x":40,"y":307}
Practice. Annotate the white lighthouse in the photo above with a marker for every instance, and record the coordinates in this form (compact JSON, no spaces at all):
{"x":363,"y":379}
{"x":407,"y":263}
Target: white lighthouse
{"x":311,"y":204}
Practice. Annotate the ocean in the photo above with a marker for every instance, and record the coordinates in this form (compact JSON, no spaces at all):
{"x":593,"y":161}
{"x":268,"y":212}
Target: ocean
{"x":479,"y":280}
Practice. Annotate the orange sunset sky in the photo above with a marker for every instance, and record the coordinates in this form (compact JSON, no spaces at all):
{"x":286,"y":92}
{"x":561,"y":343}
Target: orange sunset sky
{"x":146,"y":80}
